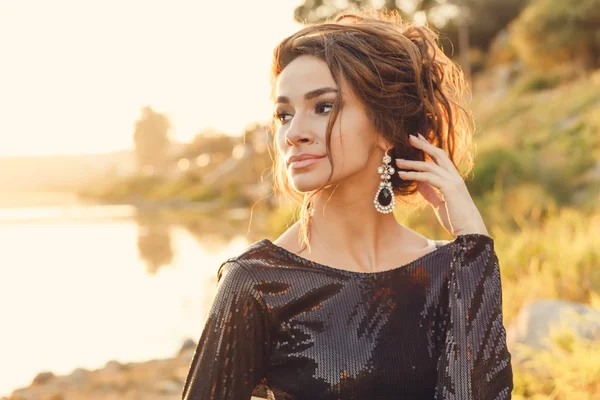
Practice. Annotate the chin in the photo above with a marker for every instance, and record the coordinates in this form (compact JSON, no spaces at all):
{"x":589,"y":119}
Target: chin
{"x":307,"y":181}
{"x":305,"y":185}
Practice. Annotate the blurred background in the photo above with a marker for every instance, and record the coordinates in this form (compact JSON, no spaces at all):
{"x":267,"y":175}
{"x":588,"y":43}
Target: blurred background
{"x":135,"y":156}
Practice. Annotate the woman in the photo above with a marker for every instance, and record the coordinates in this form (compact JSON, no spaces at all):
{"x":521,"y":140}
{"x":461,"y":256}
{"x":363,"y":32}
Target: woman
{"x":348,"y":303}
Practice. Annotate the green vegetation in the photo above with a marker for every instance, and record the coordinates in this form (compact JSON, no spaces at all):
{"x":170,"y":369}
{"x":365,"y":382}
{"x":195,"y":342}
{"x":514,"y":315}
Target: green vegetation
{"x":160,"y":190}
{"x":550,"y":32}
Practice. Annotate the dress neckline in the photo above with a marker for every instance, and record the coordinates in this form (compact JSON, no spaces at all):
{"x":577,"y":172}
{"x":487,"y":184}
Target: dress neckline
{"x":402,"y":268}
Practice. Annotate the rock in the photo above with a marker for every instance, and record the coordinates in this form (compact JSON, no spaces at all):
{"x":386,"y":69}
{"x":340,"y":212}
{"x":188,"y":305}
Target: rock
{"x":536,"y":321}
{"x":79,"y":376}
{"x":114,"y":366}
{"x":42,"y":378}
{"x":189,"y":344}
{"x":169,"y":386}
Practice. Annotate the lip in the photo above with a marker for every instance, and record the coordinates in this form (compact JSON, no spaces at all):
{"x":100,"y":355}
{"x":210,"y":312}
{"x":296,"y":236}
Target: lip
{"x":303,"y":160}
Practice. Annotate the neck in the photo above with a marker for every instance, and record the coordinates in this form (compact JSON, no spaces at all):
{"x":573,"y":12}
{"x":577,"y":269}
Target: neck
{"x":345,"y":215}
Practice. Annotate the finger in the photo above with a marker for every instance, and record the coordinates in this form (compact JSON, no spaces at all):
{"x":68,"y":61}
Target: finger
{"x":437,"y":154}
{"x":430,"y":194}
{"x":432,"y":179}
{"x":421,"y":166}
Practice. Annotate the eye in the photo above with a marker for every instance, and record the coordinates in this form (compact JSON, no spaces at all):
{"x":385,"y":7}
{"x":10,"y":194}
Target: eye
{"x":282,"y":117}
{"x":323,"y":107}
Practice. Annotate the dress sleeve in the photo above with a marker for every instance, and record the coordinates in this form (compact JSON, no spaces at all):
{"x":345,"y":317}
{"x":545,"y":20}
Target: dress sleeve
{"x":475,"y":362}
{"x":229,"y":360}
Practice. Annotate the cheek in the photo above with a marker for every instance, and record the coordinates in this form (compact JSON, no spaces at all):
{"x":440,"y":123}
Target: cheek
{"x":280,"y":142}
{"x":350,"y":145}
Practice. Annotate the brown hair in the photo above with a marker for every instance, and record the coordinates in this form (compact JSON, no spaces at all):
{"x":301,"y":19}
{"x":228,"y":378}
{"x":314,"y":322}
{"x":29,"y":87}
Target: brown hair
{"x":406,"y":82}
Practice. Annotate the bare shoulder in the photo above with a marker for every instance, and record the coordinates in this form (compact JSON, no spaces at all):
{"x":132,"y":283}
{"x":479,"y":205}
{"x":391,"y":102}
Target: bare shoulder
{"x":289,"y":239}
{"x":412,"y":240}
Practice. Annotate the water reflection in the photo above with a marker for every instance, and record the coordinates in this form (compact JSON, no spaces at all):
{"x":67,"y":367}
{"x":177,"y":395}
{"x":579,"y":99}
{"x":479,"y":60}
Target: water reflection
{"x":213,"y":231}
{"x":154,"y":241}
{"x":80,"y":288}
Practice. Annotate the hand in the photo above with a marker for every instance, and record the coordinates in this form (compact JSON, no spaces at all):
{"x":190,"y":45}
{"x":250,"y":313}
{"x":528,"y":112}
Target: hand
{"x":442,"y":186}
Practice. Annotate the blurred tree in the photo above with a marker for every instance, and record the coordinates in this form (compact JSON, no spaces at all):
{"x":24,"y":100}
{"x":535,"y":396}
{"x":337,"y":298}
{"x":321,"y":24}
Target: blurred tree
{"x":552,"y":32}
{"x":257,"y":137}
{"x":484,"y":18}
{"x":468,"y":23}
{"x":320,"y":10}
{"x":209,"y":141}
{"x":151,"y":138}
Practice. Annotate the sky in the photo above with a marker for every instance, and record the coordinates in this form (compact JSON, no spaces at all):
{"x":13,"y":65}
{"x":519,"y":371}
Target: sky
{"x":74,"y":74}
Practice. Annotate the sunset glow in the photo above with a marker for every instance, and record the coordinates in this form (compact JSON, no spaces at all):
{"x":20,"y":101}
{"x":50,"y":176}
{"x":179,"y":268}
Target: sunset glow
{"x":75,"y":74}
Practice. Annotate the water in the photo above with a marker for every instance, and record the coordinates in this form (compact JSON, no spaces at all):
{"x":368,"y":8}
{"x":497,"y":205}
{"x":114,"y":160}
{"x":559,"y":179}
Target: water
{"x":80,"y":286}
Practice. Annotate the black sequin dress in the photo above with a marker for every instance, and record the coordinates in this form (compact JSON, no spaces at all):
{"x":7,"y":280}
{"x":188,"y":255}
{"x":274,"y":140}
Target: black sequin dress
{"x":284,"y":327}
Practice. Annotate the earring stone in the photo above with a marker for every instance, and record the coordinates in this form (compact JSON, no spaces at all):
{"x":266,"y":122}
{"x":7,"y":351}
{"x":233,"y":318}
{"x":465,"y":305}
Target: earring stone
{"x":385,"y":201}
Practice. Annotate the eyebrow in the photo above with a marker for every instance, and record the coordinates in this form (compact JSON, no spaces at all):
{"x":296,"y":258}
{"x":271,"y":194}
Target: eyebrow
{"x":309,"y":95}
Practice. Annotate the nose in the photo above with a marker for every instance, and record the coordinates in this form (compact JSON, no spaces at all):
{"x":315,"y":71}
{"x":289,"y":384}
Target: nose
{"x":298,"y":133}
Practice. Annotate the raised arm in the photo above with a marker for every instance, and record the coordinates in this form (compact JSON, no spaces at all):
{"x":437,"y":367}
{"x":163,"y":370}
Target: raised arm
{"x":475,"y":362}
{"x":230,"y":358}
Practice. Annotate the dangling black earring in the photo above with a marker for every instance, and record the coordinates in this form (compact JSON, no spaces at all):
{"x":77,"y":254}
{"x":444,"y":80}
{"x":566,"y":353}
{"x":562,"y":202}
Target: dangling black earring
{"x":384,"y":198}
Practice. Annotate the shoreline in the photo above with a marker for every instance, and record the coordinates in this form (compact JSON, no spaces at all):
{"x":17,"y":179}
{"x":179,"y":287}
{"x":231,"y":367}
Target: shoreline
{"x":158,"y":379}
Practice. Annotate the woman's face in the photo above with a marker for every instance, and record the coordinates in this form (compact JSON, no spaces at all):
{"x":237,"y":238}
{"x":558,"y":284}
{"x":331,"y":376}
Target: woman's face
{"x":304,"y":95}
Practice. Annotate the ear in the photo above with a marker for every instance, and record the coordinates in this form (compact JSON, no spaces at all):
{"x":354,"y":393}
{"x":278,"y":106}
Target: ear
{"x":383,"y":143}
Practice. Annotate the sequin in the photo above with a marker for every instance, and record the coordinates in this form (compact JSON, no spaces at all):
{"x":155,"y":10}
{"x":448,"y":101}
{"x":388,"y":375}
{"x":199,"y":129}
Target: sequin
{"x":284,"y":327}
